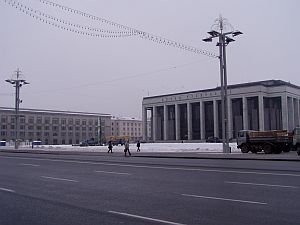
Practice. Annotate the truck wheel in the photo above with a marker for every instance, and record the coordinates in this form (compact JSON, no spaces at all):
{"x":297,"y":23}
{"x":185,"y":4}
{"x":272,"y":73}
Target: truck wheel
{"x":254,"y":150}
{"x":286,"y":148}
{"x":278,"y":150}
{"x":244,"y":149}
{"x":268,"y":149}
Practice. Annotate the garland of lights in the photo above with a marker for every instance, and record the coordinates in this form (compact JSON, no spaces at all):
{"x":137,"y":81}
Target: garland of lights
{"x":95,"y":32}
{"x":35,"y":14}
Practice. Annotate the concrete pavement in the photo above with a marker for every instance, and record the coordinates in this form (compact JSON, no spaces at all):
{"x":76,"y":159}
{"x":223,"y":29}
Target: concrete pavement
{"x":285,"y":156}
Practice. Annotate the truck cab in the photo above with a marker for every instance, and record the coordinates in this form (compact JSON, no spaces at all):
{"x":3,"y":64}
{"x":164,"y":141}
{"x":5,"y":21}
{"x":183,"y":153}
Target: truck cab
{"x":296,"y":139}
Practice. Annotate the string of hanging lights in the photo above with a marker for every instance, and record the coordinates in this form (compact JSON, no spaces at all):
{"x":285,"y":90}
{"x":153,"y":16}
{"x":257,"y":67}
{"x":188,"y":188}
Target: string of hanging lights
{"x":124,"y":31}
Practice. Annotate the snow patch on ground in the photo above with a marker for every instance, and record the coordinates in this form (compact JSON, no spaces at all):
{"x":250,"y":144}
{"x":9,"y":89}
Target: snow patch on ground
{"x":146,"y":147}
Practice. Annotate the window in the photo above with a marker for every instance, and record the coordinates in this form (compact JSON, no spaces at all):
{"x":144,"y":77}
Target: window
{"x":31,"y":119}
{"x":77,"y":121}
{"x":22,"y":119}
{"x":63,"y":121}
{"x":70,"y":121}
{"x":22,"y":127}
{"x":39,"y":120}
{"x":30,"y":127}
{"x":47,"y":120}
{"x":83,"y":122}
{"x":3,"y":127}
{"x":55,"y":121}
{"x":90,"y":122}
{"x":3,"y":119}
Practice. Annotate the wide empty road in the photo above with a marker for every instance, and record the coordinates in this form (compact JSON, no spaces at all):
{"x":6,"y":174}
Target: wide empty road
{"x":110,"y":189}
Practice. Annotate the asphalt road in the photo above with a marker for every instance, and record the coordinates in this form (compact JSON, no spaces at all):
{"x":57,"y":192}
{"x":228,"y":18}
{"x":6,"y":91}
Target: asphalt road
{"x":110,"y":189}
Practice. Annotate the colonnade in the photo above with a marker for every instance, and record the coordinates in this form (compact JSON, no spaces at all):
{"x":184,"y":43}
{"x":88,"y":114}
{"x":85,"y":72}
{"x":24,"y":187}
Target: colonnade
{"x":198,"y":120}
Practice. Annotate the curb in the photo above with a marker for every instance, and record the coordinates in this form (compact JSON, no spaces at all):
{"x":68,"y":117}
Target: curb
{"x":228,"y":157}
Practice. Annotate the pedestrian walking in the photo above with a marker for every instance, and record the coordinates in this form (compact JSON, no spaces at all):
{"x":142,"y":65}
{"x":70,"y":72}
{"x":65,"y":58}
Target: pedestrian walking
{"x":126,"y":149}
{"x":138,"y":145}
{"x":110,"y":147}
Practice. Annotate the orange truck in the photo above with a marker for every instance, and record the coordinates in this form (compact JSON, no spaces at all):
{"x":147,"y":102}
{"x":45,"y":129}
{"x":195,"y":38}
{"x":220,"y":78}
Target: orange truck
{"x":274,"y":141}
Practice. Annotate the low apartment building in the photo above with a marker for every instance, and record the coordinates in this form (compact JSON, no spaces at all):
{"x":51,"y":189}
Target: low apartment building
{"x":54,"y":127}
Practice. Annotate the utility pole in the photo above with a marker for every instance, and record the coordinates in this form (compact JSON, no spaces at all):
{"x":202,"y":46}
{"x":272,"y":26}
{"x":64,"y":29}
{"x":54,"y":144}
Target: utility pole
{"x":221,"y":24}
{"x":18,"y":83}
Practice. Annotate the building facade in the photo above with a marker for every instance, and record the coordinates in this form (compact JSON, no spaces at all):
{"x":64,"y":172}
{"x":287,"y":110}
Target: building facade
{"x":196,"y":115}
{"x":54,"y":127}
{"x":129,"y":127}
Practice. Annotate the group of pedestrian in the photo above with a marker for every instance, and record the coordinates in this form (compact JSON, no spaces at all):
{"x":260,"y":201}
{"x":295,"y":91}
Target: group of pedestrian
{"x":126,"y":147}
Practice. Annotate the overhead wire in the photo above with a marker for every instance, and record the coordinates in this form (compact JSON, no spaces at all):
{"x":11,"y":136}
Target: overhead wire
{"x":144,"y":74}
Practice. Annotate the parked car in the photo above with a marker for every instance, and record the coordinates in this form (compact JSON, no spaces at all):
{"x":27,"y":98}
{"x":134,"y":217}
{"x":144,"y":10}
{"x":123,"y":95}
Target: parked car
{"x":213,"y":140}
{"x":90,"y":142}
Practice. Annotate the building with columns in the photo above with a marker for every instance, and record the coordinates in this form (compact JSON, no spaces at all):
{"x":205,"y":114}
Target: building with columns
{"x":196,"y":115}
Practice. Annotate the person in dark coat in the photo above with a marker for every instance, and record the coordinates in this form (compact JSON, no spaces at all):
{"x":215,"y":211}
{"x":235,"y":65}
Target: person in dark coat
{"x":138,"y":145}
{"x":110,"y":147}
{"x":126,"y":149}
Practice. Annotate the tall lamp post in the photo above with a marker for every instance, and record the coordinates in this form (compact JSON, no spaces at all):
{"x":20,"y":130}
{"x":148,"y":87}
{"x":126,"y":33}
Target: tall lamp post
{"x":220,"y":30}
{"x":18,"y":83}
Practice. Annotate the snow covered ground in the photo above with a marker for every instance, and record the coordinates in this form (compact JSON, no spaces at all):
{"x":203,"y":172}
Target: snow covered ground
{"x":147,"y":147}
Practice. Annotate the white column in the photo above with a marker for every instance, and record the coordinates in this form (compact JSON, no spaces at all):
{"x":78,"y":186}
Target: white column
{"x":154,"y":123}
{"x":177,"y":122}
{"x":215,"y":108}
{"x":165,"y":122}
{"x":229,"y":118}
{"x":145,"y":128}
{"x":297,"y":122}
{"x":202,"y":122}
{"x":284,"y":112}
{"x":261,"y":114}
{"x":245,"y":114}
{"x":290,"y":113}
{"x":189,"y":121}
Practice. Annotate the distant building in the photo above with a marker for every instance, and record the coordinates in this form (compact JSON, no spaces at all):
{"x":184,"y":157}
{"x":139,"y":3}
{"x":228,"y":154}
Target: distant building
{"x":126,"y":126}
{"x":196,"y":115}
{"x":54,"y":127}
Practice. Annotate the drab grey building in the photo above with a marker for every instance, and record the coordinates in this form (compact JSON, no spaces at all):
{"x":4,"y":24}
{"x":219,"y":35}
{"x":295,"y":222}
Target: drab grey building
{"x":196,"y":115}
{"x":54,"y":127}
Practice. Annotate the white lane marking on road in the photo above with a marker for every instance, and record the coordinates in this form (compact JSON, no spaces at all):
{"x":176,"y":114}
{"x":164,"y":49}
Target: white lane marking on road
{"x":158,"y":167}
{"x":8,"y":190}
{"x":257,"y":184}
{"x":110,"y":172}
{"x":56,"y":178}
{"x":28,"y":164}
{"x":224,"y":199}
{"x":145,"y":218}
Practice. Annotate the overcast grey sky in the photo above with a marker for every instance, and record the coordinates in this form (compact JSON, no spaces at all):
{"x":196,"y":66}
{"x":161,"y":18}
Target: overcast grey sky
{"x":69,"y":71}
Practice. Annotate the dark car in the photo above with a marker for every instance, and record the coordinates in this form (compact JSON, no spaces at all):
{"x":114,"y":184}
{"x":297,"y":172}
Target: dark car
{"x":88,"y":143}
{"x":213,"y":140}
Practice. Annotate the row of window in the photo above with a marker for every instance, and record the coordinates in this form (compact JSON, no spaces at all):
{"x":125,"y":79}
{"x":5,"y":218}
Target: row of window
{"x":47,"y":134}
{"x":49,"y":120}
{"x":54,"y":128}
{"x":126,"y":134}
{"x":128,"y":124}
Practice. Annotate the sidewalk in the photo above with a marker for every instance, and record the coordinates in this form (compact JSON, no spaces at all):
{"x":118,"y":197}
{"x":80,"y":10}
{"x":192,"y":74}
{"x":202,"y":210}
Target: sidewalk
{"x":285,"y":156}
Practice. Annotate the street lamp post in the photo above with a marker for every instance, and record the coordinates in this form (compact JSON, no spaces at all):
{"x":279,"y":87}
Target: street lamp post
{"x":221,"y":24}
{"x":18,"y":83}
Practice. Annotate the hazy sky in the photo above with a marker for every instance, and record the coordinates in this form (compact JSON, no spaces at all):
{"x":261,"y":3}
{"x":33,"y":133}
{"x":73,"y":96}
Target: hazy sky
{"x":69,"y":71}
